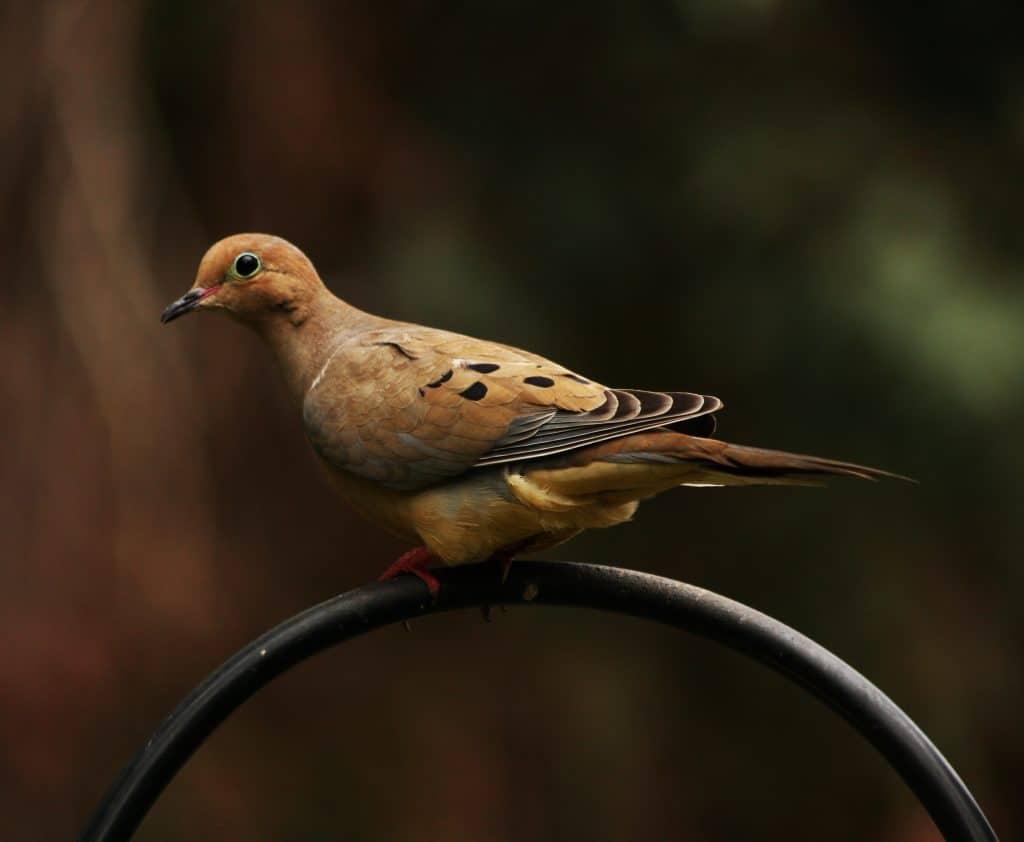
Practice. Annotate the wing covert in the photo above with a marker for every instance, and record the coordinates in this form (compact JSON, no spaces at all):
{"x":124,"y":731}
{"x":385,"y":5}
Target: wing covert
{"x":410,"y":407}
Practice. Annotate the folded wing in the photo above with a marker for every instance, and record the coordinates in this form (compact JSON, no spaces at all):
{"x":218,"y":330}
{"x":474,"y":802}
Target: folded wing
{"x":410,"y":407}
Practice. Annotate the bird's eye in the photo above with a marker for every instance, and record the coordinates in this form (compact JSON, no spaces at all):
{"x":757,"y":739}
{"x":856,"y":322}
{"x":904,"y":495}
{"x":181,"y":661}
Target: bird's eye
{"x":246,"y":265}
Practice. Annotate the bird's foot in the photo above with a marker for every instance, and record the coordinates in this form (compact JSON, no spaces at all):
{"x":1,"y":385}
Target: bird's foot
{"x":415,"y":561}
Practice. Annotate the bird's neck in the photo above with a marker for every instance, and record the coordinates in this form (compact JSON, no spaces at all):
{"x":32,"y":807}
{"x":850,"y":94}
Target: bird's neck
{"x":302,"y":339}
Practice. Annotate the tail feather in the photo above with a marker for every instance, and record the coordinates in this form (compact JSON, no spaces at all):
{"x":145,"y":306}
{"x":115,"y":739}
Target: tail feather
{"x":756,"y":462}
{"x":641,"y":465}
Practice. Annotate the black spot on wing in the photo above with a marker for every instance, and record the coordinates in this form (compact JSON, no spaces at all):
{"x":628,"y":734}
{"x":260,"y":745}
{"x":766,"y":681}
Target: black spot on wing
{"x":483,"y":368}
{"x":474,"y":392}
{"x":444,"y":378}
{"x":538,"y":380}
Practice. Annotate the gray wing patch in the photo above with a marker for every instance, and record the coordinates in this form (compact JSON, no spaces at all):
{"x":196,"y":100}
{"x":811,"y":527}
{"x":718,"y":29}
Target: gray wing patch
{"x":624,"y":411}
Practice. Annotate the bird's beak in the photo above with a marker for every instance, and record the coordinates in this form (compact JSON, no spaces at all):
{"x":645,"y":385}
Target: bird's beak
{"x":187,"y":303}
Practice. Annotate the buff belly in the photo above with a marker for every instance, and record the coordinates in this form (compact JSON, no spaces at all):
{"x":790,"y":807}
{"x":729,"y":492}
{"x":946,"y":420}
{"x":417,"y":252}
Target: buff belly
{"x":482,"y":513}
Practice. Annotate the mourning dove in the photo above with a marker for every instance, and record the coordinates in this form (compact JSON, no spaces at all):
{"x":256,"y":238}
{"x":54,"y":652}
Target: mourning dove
{"x":470,"y":449}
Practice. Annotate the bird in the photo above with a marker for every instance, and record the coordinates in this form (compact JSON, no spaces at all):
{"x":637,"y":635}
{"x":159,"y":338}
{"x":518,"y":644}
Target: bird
{"x":470,"y":450}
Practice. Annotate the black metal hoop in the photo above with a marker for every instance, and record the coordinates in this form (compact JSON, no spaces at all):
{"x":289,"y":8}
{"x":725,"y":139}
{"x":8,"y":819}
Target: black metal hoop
{"x":892,"y":732}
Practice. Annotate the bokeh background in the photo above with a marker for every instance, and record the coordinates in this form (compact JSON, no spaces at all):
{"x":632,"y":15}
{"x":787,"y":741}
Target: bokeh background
{"x":812,"y":210}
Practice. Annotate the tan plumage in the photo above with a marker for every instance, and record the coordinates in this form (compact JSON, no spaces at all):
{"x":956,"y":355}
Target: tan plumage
{"x":469,"y":447}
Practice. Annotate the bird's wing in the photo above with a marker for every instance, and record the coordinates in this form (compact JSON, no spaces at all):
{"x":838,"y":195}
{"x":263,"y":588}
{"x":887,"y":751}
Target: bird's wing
{"x":409,"y":407}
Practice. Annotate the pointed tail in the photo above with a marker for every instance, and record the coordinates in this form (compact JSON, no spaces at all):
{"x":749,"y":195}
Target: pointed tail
{"x":641,"y":465}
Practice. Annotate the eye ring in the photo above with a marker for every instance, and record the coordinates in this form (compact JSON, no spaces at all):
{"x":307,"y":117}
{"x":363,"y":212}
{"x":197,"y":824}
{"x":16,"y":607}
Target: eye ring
{"x":246,"y":265}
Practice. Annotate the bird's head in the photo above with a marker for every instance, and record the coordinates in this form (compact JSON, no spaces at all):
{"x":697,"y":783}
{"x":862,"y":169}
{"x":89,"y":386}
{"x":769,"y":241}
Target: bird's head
{"x":256,"y":278}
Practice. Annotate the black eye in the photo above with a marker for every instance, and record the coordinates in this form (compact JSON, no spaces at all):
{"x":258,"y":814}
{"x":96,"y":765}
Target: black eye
{"x":246,"y":265}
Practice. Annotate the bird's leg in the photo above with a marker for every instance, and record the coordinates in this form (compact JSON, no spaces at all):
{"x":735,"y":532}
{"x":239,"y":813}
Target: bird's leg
{"x":504,"y":556}
{"x":415,"y":561}
{"x":505,"y":560}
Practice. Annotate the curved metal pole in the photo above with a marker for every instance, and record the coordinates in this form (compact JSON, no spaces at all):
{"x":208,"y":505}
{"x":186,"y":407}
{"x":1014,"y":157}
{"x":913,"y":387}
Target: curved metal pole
{"x":701,"y":612}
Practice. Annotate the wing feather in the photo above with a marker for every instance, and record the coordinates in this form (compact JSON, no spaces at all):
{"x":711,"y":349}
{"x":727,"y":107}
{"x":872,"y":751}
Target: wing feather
{"x":410,"y":407}
{"x":571,"y":431}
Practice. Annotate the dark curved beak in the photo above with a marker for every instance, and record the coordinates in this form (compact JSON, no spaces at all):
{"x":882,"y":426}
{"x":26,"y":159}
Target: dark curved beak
{"x":186,"y":304}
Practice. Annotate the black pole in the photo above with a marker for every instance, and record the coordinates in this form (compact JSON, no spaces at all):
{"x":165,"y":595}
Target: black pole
{"x":701,"y":612}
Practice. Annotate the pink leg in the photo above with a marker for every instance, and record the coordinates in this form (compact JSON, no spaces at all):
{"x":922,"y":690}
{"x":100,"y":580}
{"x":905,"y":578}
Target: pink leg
{"x":415,"y":561}
{"x":504,"y":557}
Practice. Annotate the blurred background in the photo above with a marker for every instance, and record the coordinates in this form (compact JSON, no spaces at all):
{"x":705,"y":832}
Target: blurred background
{"x":812,"y":210}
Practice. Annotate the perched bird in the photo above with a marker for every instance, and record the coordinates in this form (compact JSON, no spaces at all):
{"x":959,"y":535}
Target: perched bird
{"x":470,"y":449}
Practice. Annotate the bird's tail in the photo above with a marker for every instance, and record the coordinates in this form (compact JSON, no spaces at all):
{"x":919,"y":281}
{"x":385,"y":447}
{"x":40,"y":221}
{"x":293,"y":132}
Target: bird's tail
{"x":638,"y":466}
